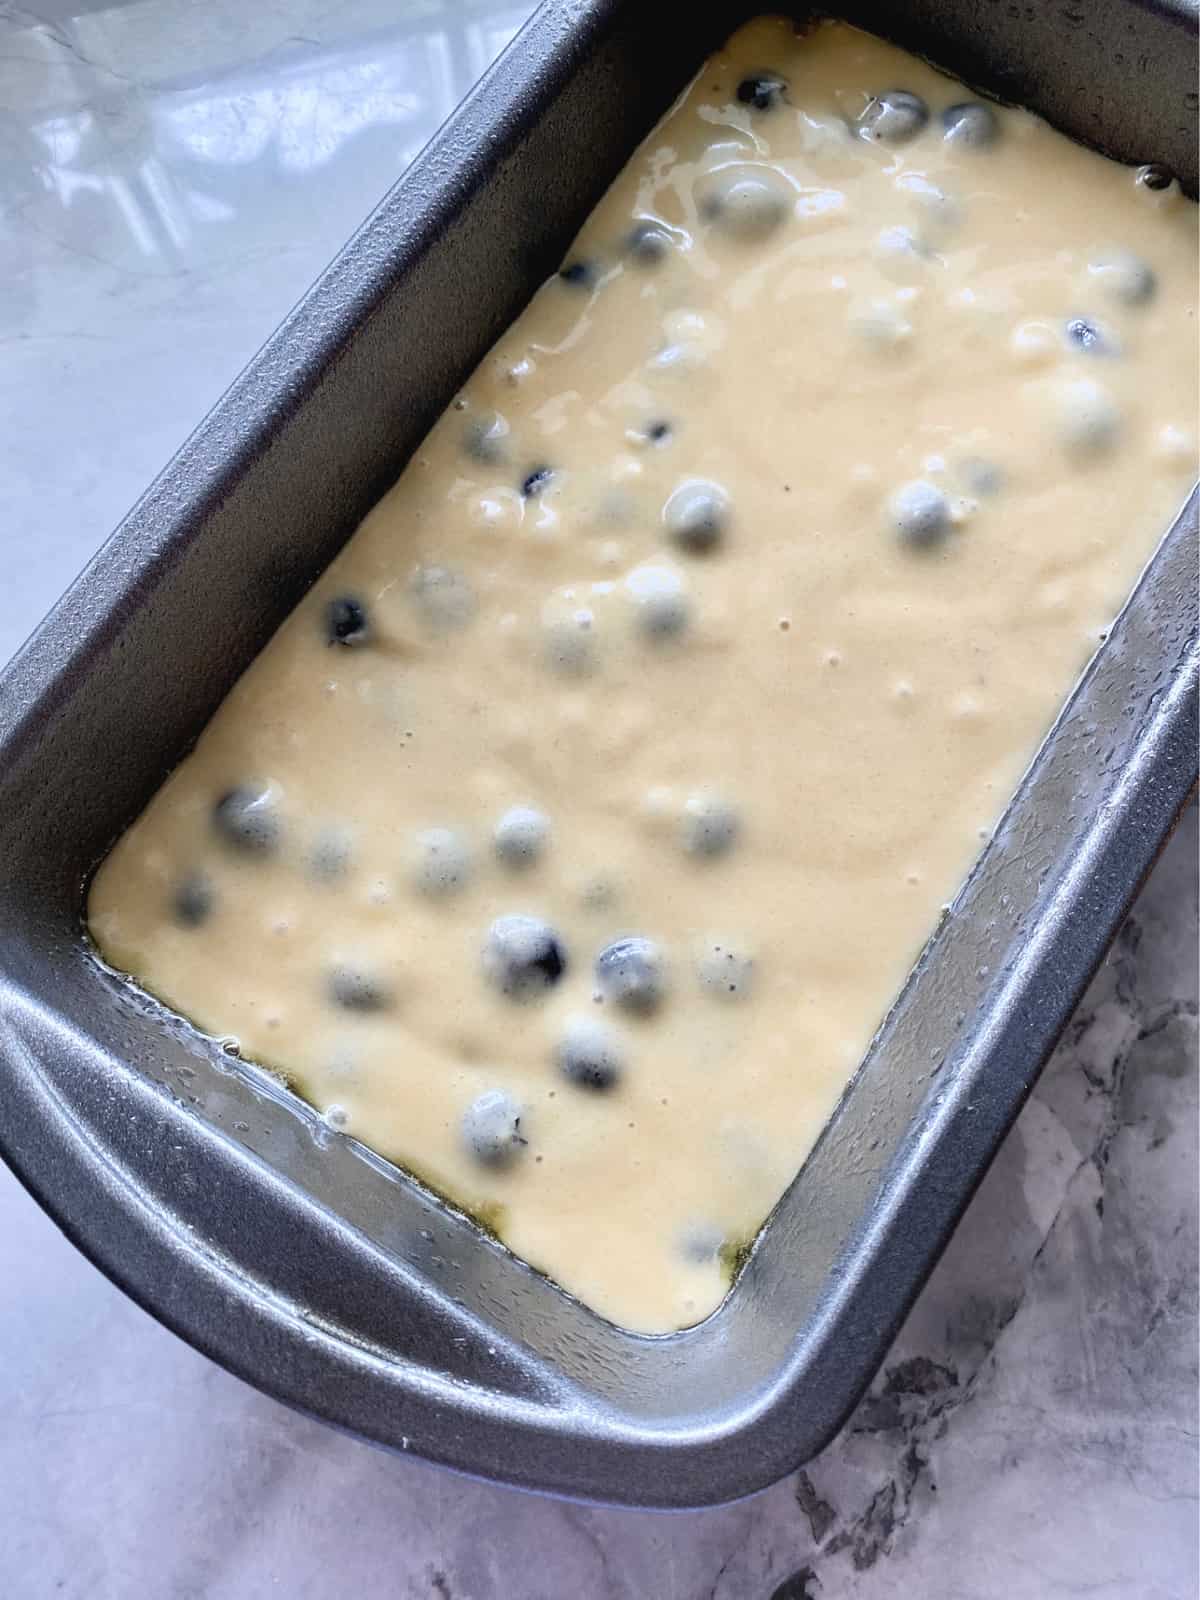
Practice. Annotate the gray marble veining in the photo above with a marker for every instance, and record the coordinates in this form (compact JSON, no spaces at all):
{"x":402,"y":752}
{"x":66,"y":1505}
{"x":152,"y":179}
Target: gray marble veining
{"x":171,"y":176}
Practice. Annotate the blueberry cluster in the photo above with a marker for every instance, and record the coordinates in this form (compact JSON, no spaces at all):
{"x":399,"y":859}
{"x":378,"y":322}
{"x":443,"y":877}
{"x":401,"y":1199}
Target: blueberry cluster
{"x":647,"y":244}
{"x":523,"y":958}
{"x":896,"y":117}
{"x":247,"y":822}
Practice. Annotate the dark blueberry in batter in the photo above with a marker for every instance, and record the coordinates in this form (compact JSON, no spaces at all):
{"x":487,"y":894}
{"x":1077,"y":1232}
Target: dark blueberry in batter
{"x":1085,"y":335}
{"x":658,"y":432}
{"x":247,"y":820}
{"x":523,"y":956}
{"x":579,"y":274}
{"x":762,"y":90}
{"x":630,"y":972}
{"x":484,"y":438}
{"x":1155,"y":177}
{"x":193,"y":900}
{"x":540,"y":478}
{"x":649,"y":243}
{"x":893,"y":117}
{"x":972,"y":124}
{"x":356,"y":990}
{"x":346,"y":621}
{"x":588,"y":1054}
{"x":696,"y":516}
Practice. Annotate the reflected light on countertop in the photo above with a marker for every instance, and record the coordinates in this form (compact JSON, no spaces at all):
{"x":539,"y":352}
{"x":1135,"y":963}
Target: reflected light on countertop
{"x":173,"y":176}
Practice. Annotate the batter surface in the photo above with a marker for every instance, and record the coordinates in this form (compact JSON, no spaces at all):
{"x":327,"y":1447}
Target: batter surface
{"x":571,"y":839}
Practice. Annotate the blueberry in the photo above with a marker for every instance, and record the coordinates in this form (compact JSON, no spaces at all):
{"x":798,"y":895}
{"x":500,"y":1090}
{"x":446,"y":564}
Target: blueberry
{"x":972,"y":124}
{"x":441,"y":862}
{"x":648,"y":243}
{"x":660,"y":600}
{"x":631,"y":973}
{"x":725,"y":973}
{"x":746,"y":202}
{"x":247,"y":820}
{"x":330,"y":854}
{"x":1088,"y":418}
{"x":579,"y":274}
{"x":523,"y":956}
{"x":599,"y":894}
{"x":192,"y":901}
{"x":536,"y":481}
{"x":589,"y":1054}
{"x":521,"y":836}
{"x":920,"y":514}
{"x":710,"y":825}
{"x":762,"y":90}
{"x":700,"y":1243}
{"x":485,"y":438}
{"x":491,"y":1128}
{"x":982,"y":476}
{"x":894,"y":117}
{"x":346,"y":621}
{"x":443,"y":596}
{"x":1154,"y":177}
{"x":570,"y":642}
{"x":696,"y":516}
{"x":658,"y":432}
{"x":1086,"y":335}
{"x":354,"y":989}
{"x":1124,"y":276}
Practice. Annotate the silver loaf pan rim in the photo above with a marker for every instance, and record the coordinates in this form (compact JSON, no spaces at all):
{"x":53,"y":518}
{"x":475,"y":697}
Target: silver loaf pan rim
{"x":294,"y":1257}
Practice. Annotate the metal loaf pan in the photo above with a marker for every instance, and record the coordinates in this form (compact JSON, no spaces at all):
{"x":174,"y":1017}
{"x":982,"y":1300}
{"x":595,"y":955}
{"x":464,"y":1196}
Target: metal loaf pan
{"x":296,"y":1258}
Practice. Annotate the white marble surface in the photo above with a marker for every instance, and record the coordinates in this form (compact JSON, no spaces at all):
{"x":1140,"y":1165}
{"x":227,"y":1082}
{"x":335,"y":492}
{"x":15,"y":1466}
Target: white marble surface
{"x":172,"y":174}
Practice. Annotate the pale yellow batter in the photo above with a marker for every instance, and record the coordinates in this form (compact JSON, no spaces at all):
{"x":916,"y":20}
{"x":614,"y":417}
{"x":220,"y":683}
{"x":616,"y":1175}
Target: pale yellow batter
{"x":722,"y":610}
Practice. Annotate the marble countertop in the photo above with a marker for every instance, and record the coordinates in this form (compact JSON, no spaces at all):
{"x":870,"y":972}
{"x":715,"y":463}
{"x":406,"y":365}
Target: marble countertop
{"x":172,"y":175}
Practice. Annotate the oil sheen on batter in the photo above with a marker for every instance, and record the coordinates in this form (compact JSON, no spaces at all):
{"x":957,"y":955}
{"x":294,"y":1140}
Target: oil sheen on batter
{"x":570,"y":840}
